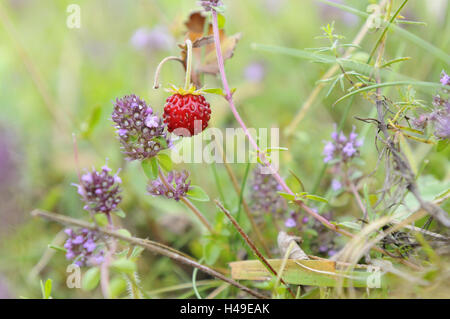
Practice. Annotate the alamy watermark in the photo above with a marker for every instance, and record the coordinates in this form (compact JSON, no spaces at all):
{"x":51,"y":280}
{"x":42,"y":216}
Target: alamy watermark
{"x":73,"y":20}
{"x":231,"y":145}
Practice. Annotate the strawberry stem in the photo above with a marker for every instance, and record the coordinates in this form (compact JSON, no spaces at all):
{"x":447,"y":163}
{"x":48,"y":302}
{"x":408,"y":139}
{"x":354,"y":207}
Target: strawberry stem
{"x":187,"y":82}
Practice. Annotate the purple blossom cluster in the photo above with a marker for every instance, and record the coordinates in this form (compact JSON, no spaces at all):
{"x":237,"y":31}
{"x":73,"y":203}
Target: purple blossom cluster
{"x":141,"y":132}
{"x":82,"y":247}
{"x":177,"y":187}
{"x":264,"y":195}
{"x":440,"y":116}
{"x":100,"y":190}
{"x":342,"y":147}
{"x":208,"y":5}
{"x":255,"y":72}
{"x":151,"y":40}
{"x":445,"y":78}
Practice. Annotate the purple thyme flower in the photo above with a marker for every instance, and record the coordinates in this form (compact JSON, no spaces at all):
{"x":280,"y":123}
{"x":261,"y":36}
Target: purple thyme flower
{"x":208,"y":5}
{"x":420,"y":122}
{"x":255,"y":72}
{"x":156,"y":39}
{"x":342,"y":147}
{"x":290,"y":222}
{"x":336,"y":185}
{"x":441,"y":120}
{"x":445,"y":78}
{"x":100,"y":190}
{"x":81,"y":247}
{"x":177,"y":181}
{"x":264,"y":193}
{"x":140,"y":131}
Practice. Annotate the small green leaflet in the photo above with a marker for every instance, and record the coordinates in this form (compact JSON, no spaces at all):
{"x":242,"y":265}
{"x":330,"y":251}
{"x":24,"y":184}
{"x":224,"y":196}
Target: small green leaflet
{"x":165,"y":161}
{"x":124,"y":265}
{"x":91,"y":279}
{"x":442,"y":144}
{"x":150,"y":167}
{"x":301,"y":196}
{"x":197,"y":193}
{"x":119,"y":213}
{"x":46,"y":289}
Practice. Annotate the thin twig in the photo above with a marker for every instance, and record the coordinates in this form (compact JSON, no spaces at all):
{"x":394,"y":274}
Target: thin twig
{"x":251,"y":244}
{"x":152,"y":246}
{"x":247,"y":211}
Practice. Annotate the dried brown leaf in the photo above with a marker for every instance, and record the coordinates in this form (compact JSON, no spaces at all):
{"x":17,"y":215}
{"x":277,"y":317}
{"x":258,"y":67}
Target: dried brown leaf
{"x":205,"y":60}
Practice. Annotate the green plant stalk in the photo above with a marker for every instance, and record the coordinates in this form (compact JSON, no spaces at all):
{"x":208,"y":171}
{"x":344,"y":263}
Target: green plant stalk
{"x":385,"y":31}
{"x":187,"y":82}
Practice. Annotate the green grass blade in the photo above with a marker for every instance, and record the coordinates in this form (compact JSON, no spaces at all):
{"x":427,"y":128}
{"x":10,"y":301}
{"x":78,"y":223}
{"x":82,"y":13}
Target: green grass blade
{"x":438,"y":53}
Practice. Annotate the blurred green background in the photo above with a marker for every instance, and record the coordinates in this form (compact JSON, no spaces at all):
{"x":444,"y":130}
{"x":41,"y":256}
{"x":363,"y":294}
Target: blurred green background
{"x":55,"y":81}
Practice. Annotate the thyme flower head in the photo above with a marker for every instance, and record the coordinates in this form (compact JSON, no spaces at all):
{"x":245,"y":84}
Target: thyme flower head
{"x":140,"y":131}
{"x":264,"y":196}
{"x":177,"y":187}
{"x":82,"y":247}
{"x":342,"y":147}
{"x":100,"y":190}
{"x":208,"y":5}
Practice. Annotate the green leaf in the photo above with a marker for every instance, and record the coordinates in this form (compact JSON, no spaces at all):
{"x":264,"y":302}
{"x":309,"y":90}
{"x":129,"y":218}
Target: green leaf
{"x":197,"y":193}
{"x":150,"y":167}
{"x":317,"y":198}
{"x":211,"y":252}
{"x":46,"y":289}
{"x":123,"y":253}
{"x":271,"y":149}
{"x":117,"y":286}
{"x":124,"y":232}
{"x":397,"y":83}
{"x":57,"y":248}
{"x":101,"y":219}
{"x":162,"y":142}
{"x":165,"y":161}
{"x":137,"y":250}
{"x":217,"y":91}
{"x":294,"y":183}
{"x":220,"y":21}
{"x":91,"y":279}
{"x":395,"y":61}
{"x":350,"y":64}
{"x":351,"y":225}
{"x":124,"y":265}
{"x":120,"y":213}
{"x":442,"y":145}
{"x":287,"y":196}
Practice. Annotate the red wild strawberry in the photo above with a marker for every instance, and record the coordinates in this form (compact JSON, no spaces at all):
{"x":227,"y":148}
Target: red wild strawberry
{"x":183,"y":109}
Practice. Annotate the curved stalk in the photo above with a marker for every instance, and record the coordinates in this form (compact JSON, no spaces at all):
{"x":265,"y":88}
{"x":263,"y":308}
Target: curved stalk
{"x":187,"y":81}
{"x":158,"y":69}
